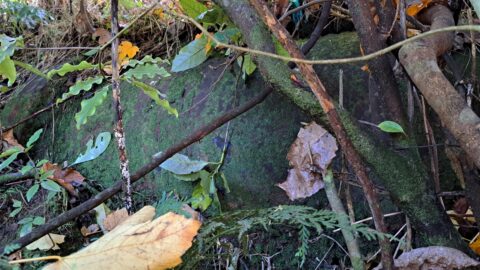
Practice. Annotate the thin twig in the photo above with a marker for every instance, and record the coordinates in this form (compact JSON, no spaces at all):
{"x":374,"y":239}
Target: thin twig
{"x":116,"y":94}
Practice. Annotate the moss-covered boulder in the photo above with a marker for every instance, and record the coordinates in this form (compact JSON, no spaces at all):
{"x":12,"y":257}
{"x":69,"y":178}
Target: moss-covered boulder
{"x":258,"y":140}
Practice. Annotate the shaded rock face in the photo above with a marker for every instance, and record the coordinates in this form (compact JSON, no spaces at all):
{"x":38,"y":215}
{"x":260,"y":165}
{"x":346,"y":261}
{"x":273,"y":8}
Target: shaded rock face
{"x":258,"y":140}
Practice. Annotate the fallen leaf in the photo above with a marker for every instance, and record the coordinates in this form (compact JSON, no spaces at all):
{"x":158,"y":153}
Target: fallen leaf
{"x":103,"y":34}
{"x":137,"y":243}
{"x":434,"y":258}
{"x":301,"y":184}
{"x":127,"y":50}
{"x":47,"y":242}
{"x":92,"y":229}
{"x":114,"y":219}
{"x":67,"y":178}
{"x":9,"y":141}
{"x":17,"y":255}
{"x":309,"y":155}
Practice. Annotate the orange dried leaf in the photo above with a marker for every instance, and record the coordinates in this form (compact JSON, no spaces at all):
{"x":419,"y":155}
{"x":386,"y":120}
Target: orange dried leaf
{"x":9,"y":140}
{"x":417,"y":6}
{"x":137,"y":243}
{"x":127,"y":50}
{"x":103,"y":34}
{"x":66,"y":178}
{"x":115,"y":218}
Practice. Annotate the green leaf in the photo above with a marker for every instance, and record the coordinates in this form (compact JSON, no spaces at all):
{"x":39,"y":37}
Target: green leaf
{"x":51,"y":185}
{"x":8,"y":46}
{"x":181,"y":164}
{"x":89,"y":106}
{"x":390,"y":127}
{"x":206,"y":180}
{"x":25,"y":229}
{"x":248,"y":67}
{"x":8,"y":71}
{"x":11,"y":151}
{"x":38,"y":220}
{"x":25,"y":169}
{"x":15,"y":212}
{"x":92,"y":152}
{"x":8,"y":161}
{"x":145,"y":60}
{"x":192,"y":8}
{"x":32,"y":191}
{"x":188,"y":177}
{"x":153,"y":94}
{"x":30,"y":68}
{"x":127,"y":4}
{"x":25,"y":220}
{"x":10,"y":248}
{"x":91,"y":52}
{"x":17,"y":203}
{"x":149,"y":70}
{"x":228,"y":35}
{"x":34,"y":138}
{"x":41,"y":162}
{"x":85,"y":85}
{"x":50,"y":195}
{"x":200,"y":199}
{"x":44,"y":175}
{"x":192,"y":55}
{"x":213,"y":16}
{"x":67,"y":68}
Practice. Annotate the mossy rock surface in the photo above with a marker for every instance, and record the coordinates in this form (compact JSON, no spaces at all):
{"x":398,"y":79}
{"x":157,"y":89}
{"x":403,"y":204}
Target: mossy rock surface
{"x":259,"y":139}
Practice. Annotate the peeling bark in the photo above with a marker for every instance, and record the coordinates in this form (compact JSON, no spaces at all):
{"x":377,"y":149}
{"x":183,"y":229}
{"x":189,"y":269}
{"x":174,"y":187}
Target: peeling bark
{"x":420,"y":61}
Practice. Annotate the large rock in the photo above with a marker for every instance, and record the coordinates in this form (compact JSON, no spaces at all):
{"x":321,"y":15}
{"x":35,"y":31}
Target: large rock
{"x":259,"y":139}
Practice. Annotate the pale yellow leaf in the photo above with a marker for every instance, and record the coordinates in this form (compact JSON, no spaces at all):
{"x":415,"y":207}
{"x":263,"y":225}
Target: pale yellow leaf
{"x":47,"y":242}
{"x":137,"y":243}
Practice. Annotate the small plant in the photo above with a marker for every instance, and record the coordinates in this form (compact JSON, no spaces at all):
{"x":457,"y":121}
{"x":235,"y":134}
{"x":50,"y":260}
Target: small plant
{"x":207,"y":175}
{"x":308,"y":221}
{"x":22,"y":16}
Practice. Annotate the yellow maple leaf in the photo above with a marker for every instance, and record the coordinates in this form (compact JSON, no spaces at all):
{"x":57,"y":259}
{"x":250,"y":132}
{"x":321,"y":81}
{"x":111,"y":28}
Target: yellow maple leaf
{"x":137,"y":243}
{"x":127,"y":50}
